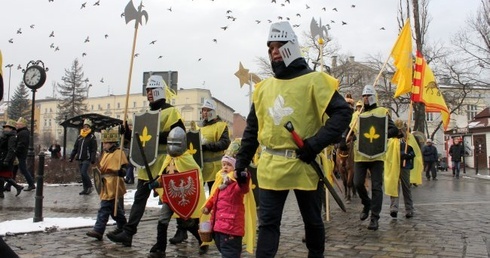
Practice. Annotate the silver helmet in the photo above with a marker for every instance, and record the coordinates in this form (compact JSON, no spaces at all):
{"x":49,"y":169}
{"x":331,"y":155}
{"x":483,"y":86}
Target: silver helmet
{"x":176,"y":142}
{"x":210,"y":104}
{"x":370,"y":92}
{"x":157,"y":85}
{"x":283,"y":32}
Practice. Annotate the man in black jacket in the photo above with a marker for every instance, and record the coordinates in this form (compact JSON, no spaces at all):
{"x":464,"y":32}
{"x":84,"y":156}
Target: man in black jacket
{"x":85,"y":151}
{"x":306,"y":98}
{"x":456,"y":151}
{"x":429,"y":152}
{"x":23,"y":137}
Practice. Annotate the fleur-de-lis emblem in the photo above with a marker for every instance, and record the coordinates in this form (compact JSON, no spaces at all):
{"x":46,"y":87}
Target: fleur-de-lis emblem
{"x":371,"y":135}
{"x":145,"y":137}
{"x":191,"y":149}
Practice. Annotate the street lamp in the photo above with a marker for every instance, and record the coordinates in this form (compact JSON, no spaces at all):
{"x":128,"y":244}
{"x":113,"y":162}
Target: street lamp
{"x":9,"y":66}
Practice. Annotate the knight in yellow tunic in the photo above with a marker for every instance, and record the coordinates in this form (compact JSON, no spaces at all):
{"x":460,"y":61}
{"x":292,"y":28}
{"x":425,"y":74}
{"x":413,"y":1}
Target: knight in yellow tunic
{"x":319,"y":114}
{"x":375,"y":163}
{"x":112,"y":169}
{"x":169,"y":118}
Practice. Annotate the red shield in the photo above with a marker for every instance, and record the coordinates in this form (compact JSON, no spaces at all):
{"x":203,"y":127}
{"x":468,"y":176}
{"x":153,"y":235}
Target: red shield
{"x":182,"y":192}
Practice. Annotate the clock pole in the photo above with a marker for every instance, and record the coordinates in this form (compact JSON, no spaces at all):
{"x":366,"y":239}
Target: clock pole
{"x":34,"y":78}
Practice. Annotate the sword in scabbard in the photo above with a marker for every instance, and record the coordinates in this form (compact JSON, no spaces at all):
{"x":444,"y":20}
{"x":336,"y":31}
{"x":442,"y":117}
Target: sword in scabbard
{"x":143,"y":155}
{"x":299,"y":142}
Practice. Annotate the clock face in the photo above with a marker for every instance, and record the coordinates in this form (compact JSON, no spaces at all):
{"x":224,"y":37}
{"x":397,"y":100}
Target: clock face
{"x":34,"y":77}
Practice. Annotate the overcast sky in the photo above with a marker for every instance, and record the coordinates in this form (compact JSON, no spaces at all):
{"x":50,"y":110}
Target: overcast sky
{"x":184,"y":32}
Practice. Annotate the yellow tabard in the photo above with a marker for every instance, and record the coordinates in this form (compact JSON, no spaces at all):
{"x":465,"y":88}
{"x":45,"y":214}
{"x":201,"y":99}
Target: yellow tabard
{"x":212,"y":160}
{"x":184,"y":163}
{"x":168,"y":117}
{"x":303,"y":101}
{"x":110,"y":164}
{"x":380,"y":112}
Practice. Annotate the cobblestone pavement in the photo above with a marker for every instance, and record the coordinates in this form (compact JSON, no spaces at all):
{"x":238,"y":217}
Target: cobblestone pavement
{"x":452,"y":219}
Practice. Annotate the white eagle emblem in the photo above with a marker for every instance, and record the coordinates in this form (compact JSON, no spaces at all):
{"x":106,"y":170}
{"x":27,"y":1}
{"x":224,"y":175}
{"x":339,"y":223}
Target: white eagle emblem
{"x":182,"y":190}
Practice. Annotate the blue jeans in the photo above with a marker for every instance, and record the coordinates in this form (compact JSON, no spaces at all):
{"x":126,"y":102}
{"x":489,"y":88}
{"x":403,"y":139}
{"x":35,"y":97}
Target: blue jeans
{"x":107,"y":209}
{"x":270,"y":215}
{"x":84,"y":165}
{"x":229,"y":246}
{"x":456,"y":165}
{"x":23,"y":170}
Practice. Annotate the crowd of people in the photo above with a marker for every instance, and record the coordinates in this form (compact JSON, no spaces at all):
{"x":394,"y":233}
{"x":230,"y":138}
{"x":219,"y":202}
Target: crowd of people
{"x":385,"y":152}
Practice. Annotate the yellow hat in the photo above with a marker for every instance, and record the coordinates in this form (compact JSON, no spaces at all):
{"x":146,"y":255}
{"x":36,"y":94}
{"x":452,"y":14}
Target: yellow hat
{"x":87,"y":122}
{"x":10,"y":123}
{"x":110,"y":135}
{"x":22,"y":121}
{"x":359,"y":103}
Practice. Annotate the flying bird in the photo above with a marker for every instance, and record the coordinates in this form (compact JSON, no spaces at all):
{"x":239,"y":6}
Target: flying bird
{"x":50,"y":1}
{"x":283,"y":5}
{"x":153,"y":42}
{"x":102,"y":80}
{"x":122,"y":15}
{"x":19,"y":67}
{"x":287,"y":1}
{"x":257,"y":21}
{"x":215,"y":40}
{"x":334,"y":9}
{"x":83,"y":5}
{"x":273,"y":1}
{"x":299,"y":15}
{"x":11,"y":40}
{"x":279,"y":17}
{"x":344,"y":23}
{"x":229,"y":11}
{"x":269,"y":21}
{"x":307,"y":7}
{"x":199,"y":59}
{"x":136,"y":55}
{"x":224,"y":28}
{"x":32,"y":26}
{"x":57,"y":49}
{"x":19,"y":31}
{"x":353,"y":6}
{"x":324,"y":9}
{"x":382,"y":28}
{"x":169,"y":9}
{"x":106,"y":36}
{"x":52,"y":34}
{"x":295,"y":25}
{"x":84,"y":54}
{"x":97,"y":3}
{"x":160,"y":57}
{"x":52,"y":45}
{"x":87,"y":40}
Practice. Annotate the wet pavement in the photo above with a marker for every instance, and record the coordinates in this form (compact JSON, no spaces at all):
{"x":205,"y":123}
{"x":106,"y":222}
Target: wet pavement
{"x":452,"y":219}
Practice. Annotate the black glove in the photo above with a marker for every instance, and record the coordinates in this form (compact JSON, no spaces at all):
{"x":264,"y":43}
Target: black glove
{"x":92,"y":161}
{"x":406,"y":156}
{"x":241,"y":176}
{"x":154,"y":184}
{"x":400,"y":134}
{"x":121,"y":173}
{"x":306,"y":153}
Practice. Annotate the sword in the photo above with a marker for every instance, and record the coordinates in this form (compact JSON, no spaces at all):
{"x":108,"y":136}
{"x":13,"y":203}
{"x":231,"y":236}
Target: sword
{"x":299,"y":142}
{"x":143,"y":155}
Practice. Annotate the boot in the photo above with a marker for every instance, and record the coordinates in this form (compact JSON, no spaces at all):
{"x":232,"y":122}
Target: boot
{"x":181,"y":233}
{"x":19,"y":188}
{"x":194,"y":231}
{"x":158,"y":249}
{"x":115,"y":232}
{"x":124,"y":238}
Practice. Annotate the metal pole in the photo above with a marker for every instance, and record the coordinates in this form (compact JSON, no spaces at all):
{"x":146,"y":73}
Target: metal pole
{"x":30,"y":152}
{"x":38,"y":208}
{"x":9,"y":66}
{"x":464,"y":152}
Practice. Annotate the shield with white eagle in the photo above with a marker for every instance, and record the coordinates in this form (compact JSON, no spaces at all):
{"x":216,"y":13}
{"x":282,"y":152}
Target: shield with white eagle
{"x":182,"y":191}
{"x":373,"y":135}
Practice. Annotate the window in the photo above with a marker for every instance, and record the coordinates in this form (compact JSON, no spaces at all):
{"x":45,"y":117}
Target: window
{"x":91,"y":107}
{"x":49,"y":123}
{"x":108,"y":106}
{"x":134,"y":104}
{"x":45,"y":122}
{"x":99,"y":107}
{"x":118,"y":105}
{"x":471,"y":112}
{"x":429,"y":117}
{"x":50,"y":110}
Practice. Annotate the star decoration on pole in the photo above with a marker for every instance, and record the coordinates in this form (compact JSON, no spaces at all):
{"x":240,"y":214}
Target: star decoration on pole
{"x":242,"y":75}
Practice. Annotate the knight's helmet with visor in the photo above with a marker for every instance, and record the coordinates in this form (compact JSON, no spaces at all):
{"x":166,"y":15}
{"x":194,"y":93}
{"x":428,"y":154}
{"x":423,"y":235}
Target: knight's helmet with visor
{"x":371,"y":93}
{"x":210,"y":104}
{"x":157,"y":86}
{"x":283,"y":32}
{"x":176,"y":142}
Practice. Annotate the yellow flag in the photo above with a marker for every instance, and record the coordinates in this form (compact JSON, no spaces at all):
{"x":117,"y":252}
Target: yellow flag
{"x":429,"y":92}
{"x":402,"y":54}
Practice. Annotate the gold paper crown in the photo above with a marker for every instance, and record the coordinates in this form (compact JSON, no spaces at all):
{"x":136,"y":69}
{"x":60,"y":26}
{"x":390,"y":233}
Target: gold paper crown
{"x":110,"y":135}
{"x":10,"y":123}
{"x":22,"y":120}
{"x":399,"y":124}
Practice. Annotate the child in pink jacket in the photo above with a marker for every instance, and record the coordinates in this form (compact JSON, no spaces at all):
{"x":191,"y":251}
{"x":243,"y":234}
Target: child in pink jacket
{"x":227,"y":210}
